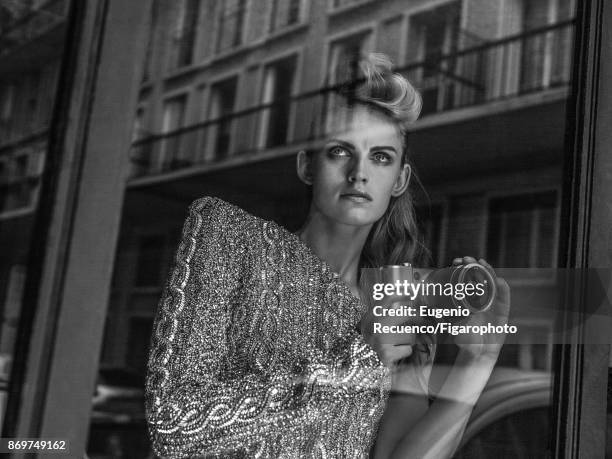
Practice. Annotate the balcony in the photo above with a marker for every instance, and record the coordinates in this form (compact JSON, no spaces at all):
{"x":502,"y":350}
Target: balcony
{"x":525,"y":63}
{"x":32,"y":25}
{"x":529,"y":63}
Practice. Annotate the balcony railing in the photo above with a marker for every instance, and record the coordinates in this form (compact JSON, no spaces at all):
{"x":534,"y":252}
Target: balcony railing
{"x":533,"y":61}
{"x":33,"y":24}
{"x":528,"y":62}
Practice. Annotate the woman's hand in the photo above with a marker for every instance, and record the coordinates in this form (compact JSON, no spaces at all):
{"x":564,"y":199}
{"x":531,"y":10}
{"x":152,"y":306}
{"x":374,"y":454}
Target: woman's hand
{"x":489,"y":344}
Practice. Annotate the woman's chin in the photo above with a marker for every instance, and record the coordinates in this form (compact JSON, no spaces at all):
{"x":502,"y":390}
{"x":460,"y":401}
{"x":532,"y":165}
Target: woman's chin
{"x":356,"y":217}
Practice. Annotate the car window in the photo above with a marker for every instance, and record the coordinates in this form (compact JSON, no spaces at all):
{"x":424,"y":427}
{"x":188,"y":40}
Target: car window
{"x":521,"y":434}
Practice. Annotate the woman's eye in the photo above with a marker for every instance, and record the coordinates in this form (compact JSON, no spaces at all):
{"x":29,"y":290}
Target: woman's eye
{"x":382,"y":157}
{"x":338,"y":151}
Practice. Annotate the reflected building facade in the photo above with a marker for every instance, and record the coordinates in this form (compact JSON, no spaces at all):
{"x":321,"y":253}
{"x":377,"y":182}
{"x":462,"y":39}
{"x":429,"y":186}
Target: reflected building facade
{"x":32,"y":34}
{"x":233,"y":89}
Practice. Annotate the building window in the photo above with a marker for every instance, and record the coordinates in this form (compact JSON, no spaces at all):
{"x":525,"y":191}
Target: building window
{"x":173,"y":119}
{"x":7,"y":98}
{"x":149,"y":264}
{"x":277,"y":91}
{"x":20,"y":173}
{"x":435,"y":33}
{"x":523,"y":231}
{"x":222,"y":105}
{"x":184,"y":38}
{"x":344,"y":57}
{"x":342,"y":67}
{"x":139,"y":130}
{"x":231,"y":25}
{"x":546,"y":57}
{"x":32,"y":108}
{"x":285,"y":13}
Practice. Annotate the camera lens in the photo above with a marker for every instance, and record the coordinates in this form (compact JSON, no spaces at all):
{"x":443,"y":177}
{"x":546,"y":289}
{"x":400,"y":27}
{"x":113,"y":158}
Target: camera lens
{"x":483,"y":286}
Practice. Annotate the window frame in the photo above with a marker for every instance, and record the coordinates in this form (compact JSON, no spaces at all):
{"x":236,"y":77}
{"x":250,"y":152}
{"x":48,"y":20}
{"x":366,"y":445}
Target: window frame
{"x":580,"y":388}
{"x":491,"y":197}
{"x":295,"y":53}
{"x":367,"y":29}
{"x":210,"y":99}
{"x":218,"y":29}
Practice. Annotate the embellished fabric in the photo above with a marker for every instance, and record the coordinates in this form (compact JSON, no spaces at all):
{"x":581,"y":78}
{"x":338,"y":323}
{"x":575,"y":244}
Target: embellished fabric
{"x":255,"y":351}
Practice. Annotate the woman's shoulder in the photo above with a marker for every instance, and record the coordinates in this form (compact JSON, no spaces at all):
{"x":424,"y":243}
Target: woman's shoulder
{"x":222,"y":213}
{"x":224,"y":218}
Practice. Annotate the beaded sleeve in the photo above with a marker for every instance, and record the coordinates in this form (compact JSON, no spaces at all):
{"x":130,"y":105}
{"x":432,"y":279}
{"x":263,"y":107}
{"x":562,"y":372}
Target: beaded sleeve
{"x":226,"y":377}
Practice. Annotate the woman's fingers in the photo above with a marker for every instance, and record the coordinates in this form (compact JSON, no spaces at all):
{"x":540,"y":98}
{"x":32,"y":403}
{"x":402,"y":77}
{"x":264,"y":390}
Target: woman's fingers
{"x":463,"y":260}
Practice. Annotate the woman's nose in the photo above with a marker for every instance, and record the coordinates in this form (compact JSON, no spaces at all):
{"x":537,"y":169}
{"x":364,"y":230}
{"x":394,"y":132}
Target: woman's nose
{"x":357,"y":173}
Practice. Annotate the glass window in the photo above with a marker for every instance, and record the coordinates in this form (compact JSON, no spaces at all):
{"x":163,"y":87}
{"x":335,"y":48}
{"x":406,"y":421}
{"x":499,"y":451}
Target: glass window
{"x":344,"y":55}
{"x":32,"y":38}
{"x":184,"y":38}
{"x":231,"y":25}
{"x":436,"y":34}
{"x":545,"y":57}
{"x":285,"y":13}
{"x":342,"y":67}
{"x":523,"y":229}
{"x":507,"y":141}
{"x":277,"y":92}
{"x":170,"y":151}
{"x":221,"y":106}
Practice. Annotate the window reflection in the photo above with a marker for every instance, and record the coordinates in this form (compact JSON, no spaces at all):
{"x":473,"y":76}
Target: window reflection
{"x":488,"y":150}
{"x":29,"y":73}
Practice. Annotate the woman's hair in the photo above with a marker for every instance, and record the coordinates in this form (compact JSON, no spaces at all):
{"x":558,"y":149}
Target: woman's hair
{"x":394,"y":237}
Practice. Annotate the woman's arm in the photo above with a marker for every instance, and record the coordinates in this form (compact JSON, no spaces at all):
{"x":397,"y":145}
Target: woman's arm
{"x":436,"y":432}
{"x":407,"y":403}
{"x":194,"y":404}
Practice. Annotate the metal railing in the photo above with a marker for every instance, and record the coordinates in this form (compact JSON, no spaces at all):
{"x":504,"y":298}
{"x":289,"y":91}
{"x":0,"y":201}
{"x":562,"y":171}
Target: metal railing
{"x":33,"y":24}
{"x":529,"y":62}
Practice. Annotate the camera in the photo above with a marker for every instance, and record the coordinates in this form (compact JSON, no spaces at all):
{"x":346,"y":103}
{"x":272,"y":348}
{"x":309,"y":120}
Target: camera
{"x":469,"y":286}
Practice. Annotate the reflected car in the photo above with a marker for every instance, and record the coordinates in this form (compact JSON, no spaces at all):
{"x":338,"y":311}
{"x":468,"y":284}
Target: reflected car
{"x":117,"y":427}
{"x":511,"y":418}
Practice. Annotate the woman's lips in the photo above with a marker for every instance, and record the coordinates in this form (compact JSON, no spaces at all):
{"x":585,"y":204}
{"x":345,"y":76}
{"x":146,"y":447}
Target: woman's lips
{"x":356,"y":196}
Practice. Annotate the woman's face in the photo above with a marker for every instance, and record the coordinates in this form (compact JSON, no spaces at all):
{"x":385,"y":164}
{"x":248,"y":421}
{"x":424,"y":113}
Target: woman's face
{"x":359,"y":169}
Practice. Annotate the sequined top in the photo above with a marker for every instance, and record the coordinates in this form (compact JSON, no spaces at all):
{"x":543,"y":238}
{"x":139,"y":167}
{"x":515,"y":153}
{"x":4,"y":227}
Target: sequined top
{"x":255,"y":350}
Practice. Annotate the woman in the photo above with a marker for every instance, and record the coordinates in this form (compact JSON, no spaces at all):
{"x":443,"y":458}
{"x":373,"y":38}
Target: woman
{"x":262,"y":346}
